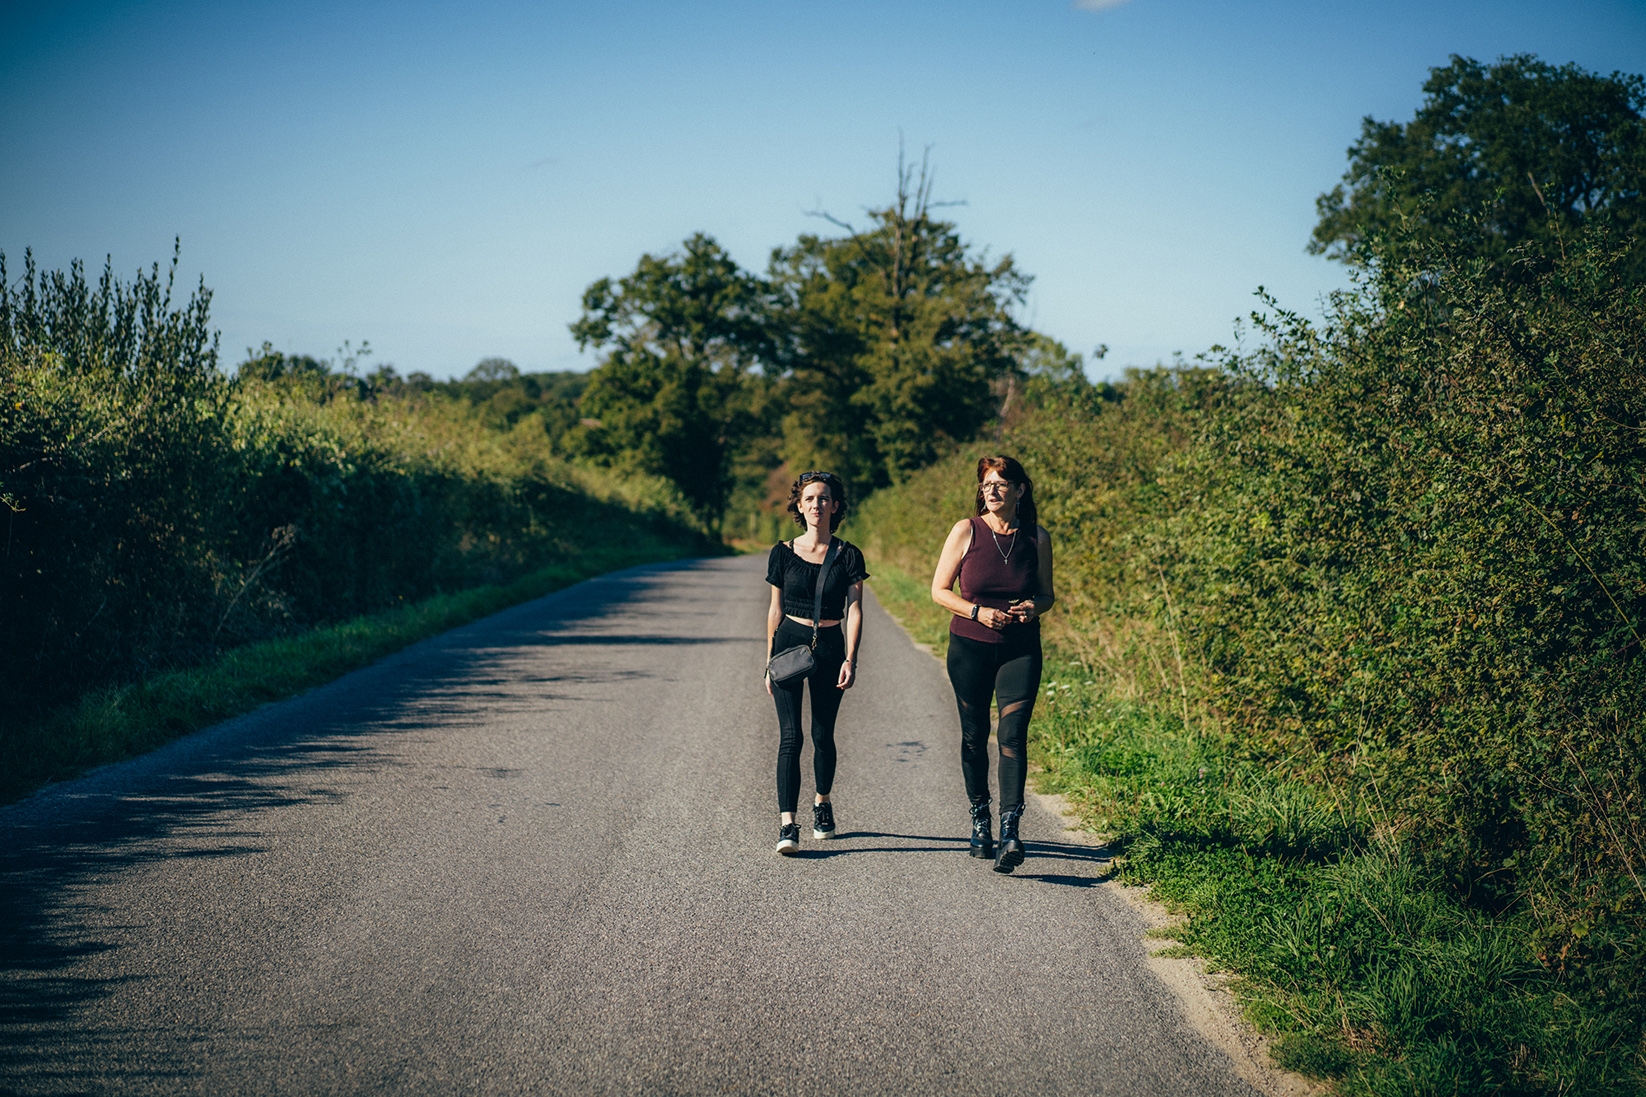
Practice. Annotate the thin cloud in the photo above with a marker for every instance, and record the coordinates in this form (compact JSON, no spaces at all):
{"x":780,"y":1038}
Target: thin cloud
{"x":1097,"y":5}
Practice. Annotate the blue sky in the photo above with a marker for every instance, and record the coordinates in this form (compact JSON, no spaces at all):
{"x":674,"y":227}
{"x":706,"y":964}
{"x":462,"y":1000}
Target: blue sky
{"x":443,"y":180}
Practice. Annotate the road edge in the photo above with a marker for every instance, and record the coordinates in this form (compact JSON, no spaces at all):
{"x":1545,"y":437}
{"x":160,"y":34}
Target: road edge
{"x":1204,"y":998}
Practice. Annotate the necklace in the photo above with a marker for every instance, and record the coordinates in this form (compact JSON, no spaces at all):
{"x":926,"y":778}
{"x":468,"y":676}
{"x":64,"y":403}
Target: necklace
{"x":1005,"y":555}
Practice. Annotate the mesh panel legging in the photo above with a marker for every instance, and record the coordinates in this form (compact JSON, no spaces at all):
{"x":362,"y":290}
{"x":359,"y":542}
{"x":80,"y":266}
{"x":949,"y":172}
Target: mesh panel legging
{"x":826,"y":695}
{"x":1010,"y":673}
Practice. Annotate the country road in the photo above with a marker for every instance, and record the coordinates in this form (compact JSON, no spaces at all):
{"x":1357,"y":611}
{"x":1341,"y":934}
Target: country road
{"x":534,"y":855}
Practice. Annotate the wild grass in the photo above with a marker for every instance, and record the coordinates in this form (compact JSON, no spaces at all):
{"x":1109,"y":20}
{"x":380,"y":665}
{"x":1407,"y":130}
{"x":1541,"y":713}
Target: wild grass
{"x":1347,"y":945}
{"x":114,"y":723}
{"x":1346,"y":660}
{"x":908,"y":599}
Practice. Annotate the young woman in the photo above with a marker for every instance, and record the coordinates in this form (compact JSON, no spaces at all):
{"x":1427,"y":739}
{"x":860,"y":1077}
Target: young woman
{"x":818,"y":503}
{"x":1003,"y":560}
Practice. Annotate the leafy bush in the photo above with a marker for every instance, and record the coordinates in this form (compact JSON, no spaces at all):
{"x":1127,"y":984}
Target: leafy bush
{"x":158,"y":511}
{"x":115,"y":453}
{"x":1421,"y":573}
{"x":1362,"y":611}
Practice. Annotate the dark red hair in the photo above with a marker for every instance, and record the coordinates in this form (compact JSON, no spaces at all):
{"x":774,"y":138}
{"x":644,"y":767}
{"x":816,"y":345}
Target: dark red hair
{"x":1027,"y":517}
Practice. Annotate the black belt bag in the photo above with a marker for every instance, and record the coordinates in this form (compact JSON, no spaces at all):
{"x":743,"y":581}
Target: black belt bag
{"x":799,"y":661}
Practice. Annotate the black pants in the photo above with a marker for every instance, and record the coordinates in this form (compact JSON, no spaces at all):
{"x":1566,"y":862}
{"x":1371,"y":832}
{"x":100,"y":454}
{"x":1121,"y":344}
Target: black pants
{"x":1009,"y":672}
{"x":826,"y":695}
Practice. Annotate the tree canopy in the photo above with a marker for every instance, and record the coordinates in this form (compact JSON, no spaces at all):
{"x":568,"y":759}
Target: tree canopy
{"x":868,"y":353}
{"x":1515,"y":152}
{"x":891,"y":339}
{"x":674,"y":394}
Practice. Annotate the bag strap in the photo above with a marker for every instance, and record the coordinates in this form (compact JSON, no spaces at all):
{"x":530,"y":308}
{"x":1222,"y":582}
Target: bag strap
{"x":817,"y":599}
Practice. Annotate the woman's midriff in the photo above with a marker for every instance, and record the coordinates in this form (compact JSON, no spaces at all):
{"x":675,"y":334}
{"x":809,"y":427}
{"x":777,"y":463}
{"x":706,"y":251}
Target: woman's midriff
{"x":807,"y":621}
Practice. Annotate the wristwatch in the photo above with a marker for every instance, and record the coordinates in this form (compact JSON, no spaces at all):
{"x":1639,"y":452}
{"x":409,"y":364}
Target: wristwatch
{"x":975,"y":608}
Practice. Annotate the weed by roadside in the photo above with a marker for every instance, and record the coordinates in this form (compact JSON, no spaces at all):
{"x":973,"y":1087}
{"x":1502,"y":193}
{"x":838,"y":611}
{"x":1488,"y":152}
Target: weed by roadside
{"x":115,"y":723}
{"x":1347,"y":945}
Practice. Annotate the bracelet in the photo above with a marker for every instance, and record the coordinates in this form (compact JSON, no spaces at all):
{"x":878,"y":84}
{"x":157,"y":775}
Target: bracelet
{"x":975,"y":608}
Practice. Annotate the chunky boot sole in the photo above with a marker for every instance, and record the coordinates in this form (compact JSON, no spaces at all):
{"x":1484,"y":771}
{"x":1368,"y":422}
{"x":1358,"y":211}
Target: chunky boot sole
{"x":1011,"y":855}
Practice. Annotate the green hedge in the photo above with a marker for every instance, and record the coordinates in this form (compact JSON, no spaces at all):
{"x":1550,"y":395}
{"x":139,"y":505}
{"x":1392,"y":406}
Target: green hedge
{"x":1389,"y":572}
{"x":157,"y":511}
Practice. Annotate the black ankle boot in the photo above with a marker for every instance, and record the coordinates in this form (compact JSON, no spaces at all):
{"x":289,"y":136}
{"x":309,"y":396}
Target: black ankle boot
{"x":1011,"y":848}
{"x":982,"y":832}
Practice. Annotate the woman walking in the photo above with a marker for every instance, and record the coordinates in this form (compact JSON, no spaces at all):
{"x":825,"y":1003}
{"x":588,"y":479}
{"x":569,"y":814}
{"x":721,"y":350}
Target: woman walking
{"x":1003,"y":560}
{"x":796,"y":618}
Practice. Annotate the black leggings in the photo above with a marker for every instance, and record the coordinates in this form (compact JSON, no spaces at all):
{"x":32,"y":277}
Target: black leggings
{"x":1010,"y":672}
{"x":826,"y":695}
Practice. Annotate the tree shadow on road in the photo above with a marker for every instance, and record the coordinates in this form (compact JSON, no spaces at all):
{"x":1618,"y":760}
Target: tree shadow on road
{"x":209,"y":796}
{"x":951,"y":844}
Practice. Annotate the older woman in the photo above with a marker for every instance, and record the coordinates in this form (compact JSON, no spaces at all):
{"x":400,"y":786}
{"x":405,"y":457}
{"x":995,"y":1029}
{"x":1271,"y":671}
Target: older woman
{"x":1003,"y":561}
{"x":818,"y":503}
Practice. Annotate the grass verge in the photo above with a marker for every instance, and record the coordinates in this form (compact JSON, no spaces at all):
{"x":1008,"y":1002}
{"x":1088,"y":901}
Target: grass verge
{"x":908,"y":598}
{"x":109,"y":725}
{"x":1347,"y":946}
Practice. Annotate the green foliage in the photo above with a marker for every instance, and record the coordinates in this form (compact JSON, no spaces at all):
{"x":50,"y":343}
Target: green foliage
{"x":158,"y":512}
{"x":115,"y":722}
{"x":1421,"y":564}
{"x":675,"y":395}
{"x":115,"y":451}
{"x":1369,"y":966}
{"x":1499,"y":155}
{"x":877,"y":351}
{"x":1357,"y":614}
{"x":891,"y":340}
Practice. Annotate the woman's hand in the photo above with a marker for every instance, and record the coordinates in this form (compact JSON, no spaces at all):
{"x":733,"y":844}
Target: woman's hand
{"x":996,"y":619}
{"x":848,"y":675}
{"x":1023,"y":611}
{"x":769,"y":684}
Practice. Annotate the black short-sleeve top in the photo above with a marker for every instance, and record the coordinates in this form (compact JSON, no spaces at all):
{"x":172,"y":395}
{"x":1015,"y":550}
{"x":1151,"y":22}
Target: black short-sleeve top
{"x":797,"y":579}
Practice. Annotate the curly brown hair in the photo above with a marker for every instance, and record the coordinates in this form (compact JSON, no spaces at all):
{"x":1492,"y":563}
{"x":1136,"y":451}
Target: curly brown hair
{"x":837,"y":492}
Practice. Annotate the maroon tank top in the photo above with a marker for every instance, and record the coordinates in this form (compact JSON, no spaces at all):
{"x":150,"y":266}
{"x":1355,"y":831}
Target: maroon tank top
{"x":995,"y":572}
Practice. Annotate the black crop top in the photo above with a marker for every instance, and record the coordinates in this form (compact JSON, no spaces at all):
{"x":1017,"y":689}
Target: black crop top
{"x":798,"y":580}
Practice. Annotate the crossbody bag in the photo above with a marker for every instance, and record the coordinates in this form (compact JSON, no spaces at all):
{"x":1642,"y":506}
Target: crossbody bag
{"x":799,"y":661}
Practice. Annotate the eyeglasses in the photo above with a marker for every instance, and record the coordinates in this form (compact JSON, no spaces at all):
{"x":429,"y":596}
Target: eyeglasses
{"x":994,"y":487}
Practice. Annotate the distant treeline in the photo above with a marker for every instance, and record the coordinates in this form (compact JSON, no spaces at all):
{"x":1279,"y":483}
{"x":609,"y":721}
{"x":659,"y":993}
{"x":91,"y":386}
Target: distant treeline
{"x":869,"y":353}
{"x":156,"y":509}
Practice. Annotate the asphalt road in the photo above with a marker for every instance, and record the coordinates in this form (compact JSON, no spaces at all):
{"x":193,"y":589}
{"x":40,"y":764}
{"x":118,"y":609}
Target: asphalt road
{"x":534,"y":855}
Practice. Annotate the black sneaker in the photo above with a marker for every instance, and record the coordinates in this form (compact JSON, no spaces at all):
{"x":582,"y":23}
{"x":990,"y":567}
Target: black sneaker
{"x":822,"y":820}
{"x":788,"y":839}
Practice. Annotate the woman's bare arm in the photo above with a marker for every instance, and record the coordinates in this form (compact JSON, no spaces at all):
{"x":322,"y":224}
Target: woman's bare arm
{"x":854,"y":635}
{"x":774,"y":617}
{"x":948,"y":570}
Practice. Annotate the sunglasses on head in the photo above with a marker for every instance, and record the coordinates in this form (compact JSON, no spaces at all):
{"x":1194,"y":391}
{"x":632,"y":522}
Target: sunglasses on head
{"x":807,"y":477}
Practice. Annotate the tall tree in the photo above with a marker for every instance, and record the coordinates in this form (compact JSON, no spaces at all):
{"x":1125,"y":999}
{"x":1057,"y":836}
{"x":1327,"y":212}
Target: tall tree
{"x":1498,"y":155}
{"x":675,"y":393}
{"x":891,"y":338}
